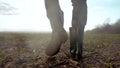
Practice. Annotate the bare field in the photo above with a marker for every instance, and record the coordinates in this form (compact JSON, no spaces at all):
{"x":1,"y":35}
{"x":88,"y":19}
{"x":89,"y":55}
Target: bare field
{"x":26,"y":50}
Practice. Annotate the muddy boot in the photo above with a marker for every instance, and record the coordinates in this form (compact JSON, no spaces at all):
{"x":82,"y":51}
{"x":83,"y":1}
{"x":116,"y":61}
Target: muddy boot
{"x":79,"y":18}
{"x":80,"y":34}
{"x":73,"y":40}
{"x":58,"y":38}
{"x":76,"y":43}
{"x":56,"y":18}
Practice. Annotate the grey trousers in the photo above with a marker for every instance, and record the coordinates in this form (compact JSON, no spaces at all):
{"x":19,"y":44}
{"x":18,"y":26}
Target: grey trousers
{"x":55,"y":14}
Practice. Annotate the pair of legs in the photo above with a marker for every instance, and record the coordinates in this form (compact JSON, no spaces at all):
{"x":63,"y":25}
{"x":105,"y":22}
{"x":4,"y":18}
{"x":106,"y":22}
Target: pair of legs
{"x":59,"y":35}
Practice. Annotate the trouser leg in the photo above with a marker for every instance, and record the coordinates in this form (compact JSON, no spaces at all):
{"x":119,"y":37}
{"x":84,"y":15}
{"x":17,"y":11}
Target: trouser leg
{"x":59,"y":35}
{"x":79,"y":16}
{"x":55,"y":14}
{"x":79,"y":19}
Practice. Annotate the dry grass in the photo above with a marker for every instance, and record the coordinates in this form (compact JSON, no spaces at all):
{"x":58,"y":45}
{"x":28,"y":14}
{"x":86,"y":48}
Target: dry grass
{"x":26,"y":50}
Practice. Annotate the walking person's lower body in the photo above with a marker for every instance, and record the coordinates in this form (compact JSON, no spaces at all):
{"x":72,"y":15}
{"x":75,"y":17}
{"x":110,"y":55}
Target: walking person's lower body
{"x":59,"y":35}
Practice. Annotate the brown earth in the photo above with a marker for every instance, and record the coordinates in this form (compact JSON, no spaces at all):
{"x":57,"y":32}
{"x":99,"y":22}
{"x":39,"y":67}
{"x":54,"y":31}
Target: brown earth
{"x":27,"y":51}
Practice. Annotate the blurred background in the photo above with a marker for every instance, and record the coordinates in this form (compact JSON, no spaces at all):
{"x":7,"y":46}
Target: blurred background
{"x":30,"y":15}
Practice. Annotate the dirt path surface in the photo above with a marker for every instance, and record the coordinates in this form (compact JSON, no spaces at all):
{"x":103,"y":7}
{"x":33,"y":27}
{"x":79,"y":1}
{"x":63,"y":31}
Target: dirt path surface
{"x":26,"y":50}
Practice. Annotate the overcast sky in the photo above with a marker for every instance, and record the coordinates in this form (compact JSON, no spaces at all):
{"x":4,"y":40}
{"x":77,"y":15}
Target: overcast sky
{"x":30,"y":15}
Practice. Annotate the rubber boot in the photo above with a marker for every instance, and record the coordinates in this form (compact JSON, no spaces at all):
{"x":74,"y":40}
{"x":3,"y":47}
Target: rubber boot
{"x":57,"y":40}
{"x":80,"y":34}
{"x":59,"y":35}
{"x":73,"y":40}
{"x":79,"y":18}
{"x":76,"y":42}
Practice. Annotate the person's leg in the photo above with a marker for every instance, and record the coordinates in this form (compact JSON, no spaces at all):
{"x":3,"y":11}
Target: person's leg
{"x":79,"y":19}
{"x":59,"y":35}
